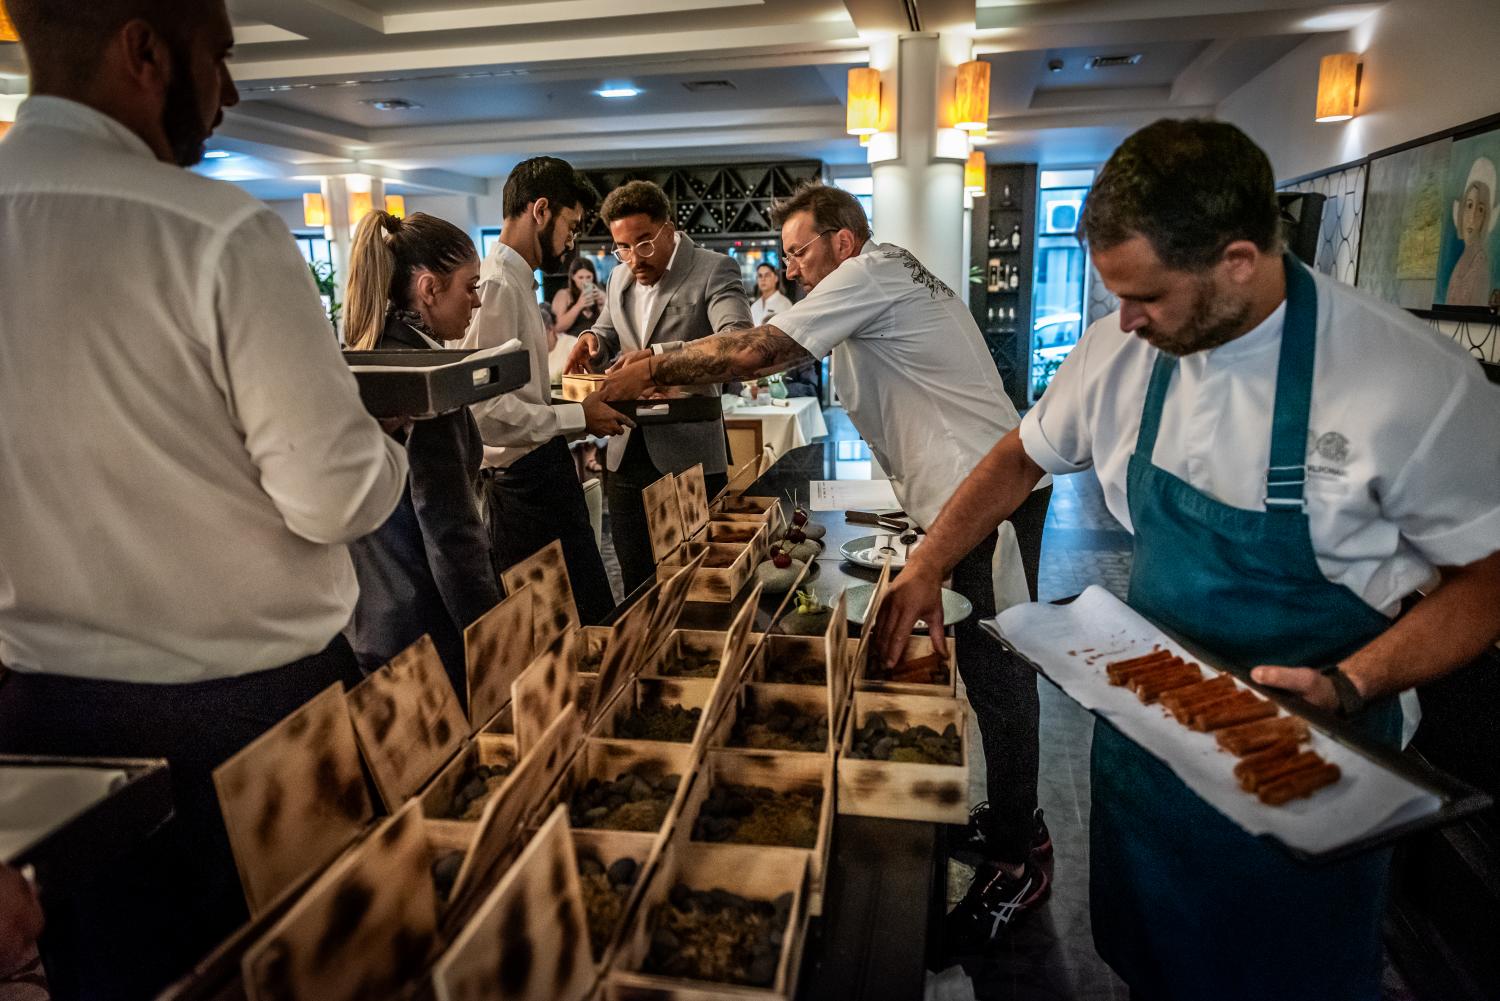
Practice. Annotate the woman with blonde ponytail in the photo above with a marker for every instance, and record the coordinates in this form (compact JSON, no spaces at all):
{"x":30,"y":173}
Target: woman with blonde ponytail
{"x":427,"y":569}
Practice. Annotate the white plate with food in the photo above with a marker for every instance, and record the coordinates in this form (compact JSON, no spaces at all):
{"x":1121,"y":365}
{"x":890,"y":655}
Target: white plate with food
{"x":956,"y":607}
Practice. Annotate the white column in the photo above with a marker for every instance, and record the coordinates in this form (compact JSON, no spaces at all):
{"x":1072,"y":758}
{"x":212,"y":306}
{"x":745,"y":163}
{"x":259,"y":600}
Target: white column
{"x":918,"y":166}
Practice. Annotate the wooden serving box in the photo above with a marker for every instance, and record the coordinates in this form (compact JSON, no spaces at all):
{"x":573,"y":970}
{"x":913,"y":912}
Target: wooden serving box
{"x":746,"y":508}
{"x":726,"y":567}
{"x":902,"y":790}
{"x":741,"y":532}
{"x":607,"y":760}
{"x":577,"y":387}
{"x":690,"y":693}
{"x":780,"y":771}
{"x":749,"y":871}
{"x":695,"y":642}
{"x":608,"y":847}
{"x":806,"y":699}
{"x":536,"y":910}
{"x":918,"y":645}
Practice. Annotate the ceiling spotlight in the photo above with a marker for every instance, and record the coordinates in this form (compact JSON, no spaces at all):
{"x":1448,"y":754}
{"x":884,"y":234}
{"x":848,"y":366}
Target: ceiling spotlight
{"x":1055,"y":65}
{"x":623,"y":90}
{"x":392,"y":104}
{"x":217,"y":154}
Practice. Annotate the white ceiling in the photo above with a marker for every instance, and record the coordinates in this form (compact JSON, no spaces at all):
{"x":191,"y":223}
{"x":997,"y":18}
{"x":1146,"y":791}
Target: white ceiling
{"x":500,"y":80}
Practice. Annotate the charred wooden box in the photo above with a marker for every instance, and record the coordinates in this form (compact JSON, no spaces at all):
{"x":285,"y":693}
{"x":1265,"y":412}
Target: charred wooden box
{"x":905,"y":790}
{"x":784,"y":774}
{"x":669,"y":709}
{"x":577,"y":387}
{"x":595,"y":792}
{"x":921,"y":671}
{"x":759,"y":947}
{"x":725,"y":569}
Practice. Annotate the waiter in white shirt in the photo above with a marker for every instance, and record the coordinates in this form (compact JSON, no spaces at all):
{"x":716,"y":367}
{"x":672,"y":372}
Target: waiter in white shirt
{"x":769,"y":299}
{"x":534,"y":493}
{"x":184,"y":458}
{"x":922,"y":390}
{"x":1293,"y":459}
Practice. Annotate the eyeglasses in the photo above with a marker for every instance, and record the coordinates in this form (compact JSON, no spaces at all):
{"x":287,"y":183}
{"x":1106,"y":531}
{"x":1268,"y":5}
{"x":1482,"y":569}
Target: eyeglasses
{"x":645,"y":248}
{"x":796,"y":255}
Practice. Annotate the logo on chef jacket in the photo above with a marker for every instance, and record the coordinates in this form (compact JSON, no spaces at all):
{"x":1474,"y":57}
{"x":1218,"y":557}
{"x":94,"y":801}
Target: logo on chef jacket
{"x":1332,"y":449}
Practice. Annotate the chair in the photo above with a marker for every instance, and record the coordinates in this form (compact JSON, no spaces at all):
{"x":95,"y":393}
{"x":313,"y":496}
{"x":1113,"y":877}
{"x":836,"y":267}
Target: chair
{"x":746,"y":443}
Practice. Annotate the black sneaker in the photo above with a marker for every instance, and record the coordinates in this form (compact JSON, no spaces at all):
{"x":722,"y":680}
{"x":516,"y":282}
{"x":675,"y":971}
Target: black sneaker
{"x":994,"y":901}
{"x":975,"y":845}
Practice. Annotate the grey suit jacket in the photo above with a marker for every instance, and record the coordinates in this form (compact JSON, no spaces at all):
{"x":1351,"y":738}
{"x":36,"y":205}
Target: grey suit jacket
{"x":700,"y":295}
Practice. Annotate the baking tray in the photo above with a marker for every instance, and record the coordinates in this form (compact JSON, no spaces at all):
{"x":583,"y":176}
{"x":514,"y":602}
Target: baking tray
{"x":95,"y":830}
{"x":420,"y":384}
{"x":1458,"y":799}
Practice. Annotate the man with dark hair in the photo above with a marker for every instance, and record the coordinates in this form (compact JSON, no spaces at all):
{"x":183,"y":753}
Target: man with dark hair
{"x":922,"y":390}
{"x":1294,"y":458}
{"x":672,"y":293}
{"x":185,"y":459}
{"x":534,"y":493}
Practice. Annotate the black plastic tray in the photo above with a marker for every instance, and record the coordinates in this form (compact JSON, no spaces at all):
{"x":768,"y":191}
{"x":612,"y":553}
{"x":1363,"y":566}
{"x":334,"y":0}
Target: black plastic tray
{"x":671,"y":410}
{"x":1459,"y":799}
{"x":421,"y":384}
{"x":115,"y":824}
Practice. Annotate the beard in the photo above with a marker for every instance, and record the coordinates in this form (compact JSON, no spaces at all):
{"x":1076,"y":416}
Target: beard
{"x":181,"y":117}
{"x":1214,"y":321}
{"x":552,"y":262}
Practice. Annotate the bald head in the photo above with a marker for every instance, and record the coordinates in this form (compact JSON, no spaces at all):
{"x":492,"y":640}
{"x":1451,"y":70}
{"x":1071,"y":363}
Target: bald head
{"x":157,"y":66}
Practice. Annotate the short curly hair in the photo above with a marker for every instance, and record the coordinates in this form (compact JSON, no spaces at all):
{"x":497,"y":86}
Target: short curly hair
{"x":636,"y":198}
{"x":1189,"y":186}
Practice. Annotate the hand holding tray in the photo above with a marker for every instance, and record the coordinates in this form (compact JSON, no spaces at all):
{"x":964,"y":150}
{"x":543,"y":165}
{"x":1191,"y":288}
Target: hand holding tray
{"x":1379,"y":797}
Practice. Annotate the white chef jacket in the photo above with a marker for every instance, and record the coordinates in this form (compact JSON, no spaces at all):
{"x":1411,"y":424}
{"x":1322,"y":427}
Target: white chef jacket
{"x":184,"y":453}
{"x":1403,"y":465}
{"x":760,"y":308}
{"x":913,"y":372}
{"x":513,"y":424}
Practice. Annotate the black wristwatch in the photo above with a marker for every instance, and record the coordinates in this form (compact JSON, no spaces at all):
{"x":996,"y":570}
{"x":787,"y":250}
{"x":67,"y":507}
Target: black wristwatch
{"x":1351,"y":703}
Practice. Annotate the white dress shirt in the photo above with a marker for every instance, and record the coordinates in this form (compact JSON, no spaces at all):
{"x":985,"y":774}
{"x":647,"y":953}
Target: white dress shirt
{"x":185,"y":453}
{"x":762,"y":309}
{"x":913,"y":371}
{"x":514,"y":424}
{"x":643,"y":299}
{"x":1403,"y":461}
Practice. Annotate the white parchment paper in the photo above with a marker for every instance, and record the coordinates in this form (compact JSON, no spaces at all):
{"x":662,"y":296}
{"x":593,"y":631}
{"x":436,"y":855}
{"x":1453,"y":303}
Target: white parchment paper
{"x":36,"y":801}
{"x":1073,"y":643}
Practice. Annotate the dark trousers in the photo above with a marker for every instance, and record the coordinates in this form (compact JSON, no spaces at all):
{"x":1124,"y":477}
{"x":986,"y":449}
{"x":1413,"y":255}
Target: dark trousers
{"x":1001,"y":687}
{"x":538,"y":499}
{"x":139,"y":925}
{"x":623,"y":489}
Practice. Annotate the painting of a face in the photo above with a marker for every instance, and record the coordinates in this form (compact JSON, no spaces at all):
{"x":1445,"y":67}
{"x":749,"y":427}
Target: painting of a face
{"x":1476,"y":209}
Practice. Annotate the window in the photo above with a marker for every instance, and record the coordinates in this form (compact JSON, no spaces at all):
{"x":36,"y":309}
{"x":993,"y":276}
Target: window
{"x":488,"y":237}
{"x":315,"y":248}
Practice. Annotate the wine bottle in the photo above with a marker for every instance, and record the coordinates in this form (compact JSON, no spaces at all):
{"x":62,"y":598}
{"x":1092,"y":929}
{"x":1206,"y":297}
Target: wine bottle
{"x":994,"y":241}
{"x":1015,"y":237}
{"x":996,"y":282}
{"x":1015,"y":277}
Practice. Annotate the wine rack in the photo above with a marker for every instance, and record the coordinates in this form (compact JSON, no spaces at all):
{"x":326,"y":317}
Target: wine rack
{"x":727,"y":201}
{"x":1003,"y":252}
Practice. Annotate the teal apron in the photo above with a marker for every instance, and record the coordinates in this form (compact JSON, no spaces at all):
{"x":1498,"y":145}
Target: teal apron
{"x":1185,"y":904}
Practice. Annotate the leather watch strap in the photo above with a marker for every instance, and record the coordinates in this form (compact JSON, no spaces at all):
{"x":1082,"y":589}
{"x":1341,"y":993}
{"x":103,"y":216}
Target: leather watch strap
{"x":1351,"y":703}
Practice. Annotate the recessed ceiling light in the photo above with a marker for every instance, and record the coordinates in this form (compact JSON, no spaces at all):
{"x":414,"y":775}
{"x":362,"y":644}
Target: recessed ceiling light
{"x":702,"y":86}
{"x":392,"y":104}
{"x":1110,"y":62}
{"x":217,"y":154}
{"x":623,"y":90}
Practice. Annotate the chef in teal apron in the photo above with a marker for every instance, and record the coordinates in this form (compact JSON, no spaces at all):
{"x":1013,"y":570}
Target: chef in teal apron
{"x":1293,"y":458}
{"x":1185,"y":904}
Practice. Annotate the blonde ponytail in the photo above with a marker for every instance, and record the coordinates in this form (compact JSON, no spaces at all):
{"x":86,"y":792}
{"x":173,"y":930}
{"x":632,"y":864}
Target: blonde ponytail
{"x":372,"y":266}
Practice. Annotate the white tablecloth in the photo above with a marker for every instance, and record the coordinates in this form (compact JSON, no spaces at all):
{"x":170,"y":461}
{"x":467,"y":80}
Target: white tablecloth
{"x":785,"y":425}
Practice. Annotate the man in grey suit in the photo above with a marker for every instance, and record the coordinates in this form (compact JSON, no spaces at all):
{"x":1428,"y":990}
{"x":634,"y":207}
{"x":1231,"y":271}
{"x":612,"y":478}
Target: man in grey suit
{"x":671,"y":292}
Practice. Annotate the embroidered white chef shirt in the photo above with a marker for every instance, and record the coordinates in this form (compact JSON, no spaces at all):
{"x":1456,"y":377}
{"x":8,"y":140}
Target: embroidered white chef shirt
{"x":1403,"y":463}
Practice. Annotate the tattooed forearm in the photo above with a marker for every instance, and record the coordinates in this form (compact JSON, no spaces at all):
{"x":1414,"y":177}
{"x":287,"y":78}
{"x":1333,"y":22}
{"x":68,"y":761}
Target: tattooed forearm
{"x":742,"y":354}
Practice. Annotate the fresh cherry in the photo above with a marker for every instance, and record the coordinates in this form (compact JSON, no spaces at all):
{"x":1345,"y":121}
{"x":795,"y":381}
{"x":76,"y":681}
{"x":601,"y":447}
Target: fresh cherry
{"x":796,"y":535}
{"x":799,"y":517}
{"x":781,"y":560}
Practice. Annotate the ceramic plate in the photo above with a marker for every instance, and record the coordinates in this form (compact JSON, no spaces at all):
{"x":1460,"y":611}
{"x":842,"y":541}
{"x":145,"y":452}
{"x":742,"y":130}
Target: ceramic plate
{"x":867,"y":551}
{"x":956,"y":607}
